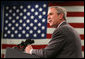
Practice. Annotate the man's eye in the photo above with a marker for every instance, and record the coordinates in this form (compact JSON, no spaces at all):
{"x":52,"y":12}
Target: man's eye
{"x":50,"y":13}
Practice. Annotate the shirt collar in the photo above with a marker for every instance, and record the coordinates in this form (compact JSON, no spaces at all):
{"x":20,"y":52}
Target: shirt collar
{"x":60,"y":24}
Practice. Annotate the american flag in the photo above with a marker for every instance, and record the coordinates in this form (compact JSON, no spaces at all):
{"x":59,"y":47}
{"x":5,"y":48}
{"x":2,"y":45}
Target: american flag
{"x":22,"y":20}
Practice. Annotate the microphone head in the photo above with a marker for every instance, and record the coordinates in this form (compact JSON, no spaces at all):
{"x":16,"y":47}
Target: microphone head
{"x":29,"y":41}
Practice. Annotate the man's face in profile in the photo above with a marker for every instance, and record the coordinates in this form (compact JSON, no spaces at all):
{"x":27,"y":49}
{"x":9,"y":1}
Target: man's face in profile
{"x":53,"y":17}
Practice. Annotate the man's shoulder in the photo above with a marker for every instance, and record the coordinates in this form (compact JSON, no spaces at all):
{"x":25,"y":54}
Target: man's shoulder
{"x":64,"y":28}
{"x":65,"y":25}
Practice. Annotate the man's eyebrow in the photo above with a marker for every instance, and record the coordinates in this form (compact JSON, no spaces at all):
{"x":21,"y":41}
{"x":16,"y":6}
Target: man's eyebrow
{"x":50,"y":13}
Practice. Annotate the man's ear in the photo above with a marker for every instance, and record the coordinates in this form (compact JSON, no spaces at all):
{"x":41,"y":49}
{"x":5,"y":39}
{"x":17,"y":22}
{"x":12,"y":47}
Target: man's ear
{"x":61,"y":16}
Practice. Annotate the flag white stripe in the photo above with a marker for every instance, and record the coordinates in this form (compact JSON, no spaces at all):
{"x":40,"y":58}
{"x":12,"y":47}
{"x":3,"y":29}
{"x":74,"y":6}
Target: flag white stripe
{"x":83,"y":53}
{"x":75,"y":19}
{"x":3,"y":51}
{"x":37,"y":42}
{"x":17,"y":41}
{"x":79,"y":30}
{"x":74,"y":8}
{"x":82,"y":42}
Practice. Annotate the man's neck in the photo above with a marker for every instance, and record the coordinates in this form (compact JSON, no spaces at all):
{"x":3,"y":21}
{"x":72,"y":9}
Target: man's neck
{"x":57,"y":25}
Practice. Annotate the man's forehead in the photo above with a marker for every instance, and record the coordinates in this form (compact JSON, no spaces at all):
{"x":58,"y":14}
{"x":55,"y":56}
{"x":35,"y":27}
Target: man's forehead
{"x":51,"y":10}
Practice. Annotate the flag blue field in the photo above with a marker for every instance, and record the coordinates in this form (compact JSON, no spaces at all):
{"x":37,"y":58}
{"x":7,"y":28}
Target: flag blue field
{"x":25,"y":20}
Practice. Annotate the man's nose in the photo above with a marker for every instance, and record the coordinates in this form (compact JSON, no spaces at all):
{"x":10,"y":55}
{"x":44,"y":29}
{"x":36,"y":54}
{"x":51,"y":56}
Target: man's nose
{"x":48,"y":17}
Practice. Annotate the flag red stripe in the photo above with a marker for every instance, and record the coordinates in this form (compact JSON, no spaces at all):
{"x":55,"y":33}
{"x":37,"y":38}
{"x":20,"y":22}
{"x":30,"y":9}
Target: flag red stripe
{"x":49,"y":36}
{"x":82,"y":37}
{"x":67,"y":3}
{"x":2,"y":55}
{"x":82,"y":48}
{"x":75,"y":25}
{"x":4,"y":46}
{"x":75,"y":14}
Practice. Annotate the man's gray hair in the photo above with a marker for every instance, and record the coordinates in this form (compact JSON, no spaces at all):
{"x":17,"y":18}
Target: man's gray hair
{"x":60,"y":10}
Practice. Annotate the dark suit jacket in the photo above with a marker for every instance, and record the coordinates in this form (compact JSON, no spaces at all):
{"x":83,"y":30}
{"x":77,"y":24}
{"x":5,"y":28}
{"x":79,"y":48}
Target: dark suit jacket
{"x":65,"y":43}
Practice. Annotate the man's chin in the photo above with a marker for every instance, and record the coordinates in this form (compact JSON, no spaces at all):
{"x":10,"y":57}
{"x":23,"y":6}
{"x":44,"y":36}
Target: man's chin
{"x":51,"y":25}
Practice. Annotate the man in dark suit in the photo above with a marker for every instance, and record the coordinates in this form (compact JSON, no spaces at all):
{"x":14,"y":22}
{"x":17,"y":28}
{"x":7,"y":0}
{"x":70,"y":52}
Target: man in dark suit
{"x":65,"y":42}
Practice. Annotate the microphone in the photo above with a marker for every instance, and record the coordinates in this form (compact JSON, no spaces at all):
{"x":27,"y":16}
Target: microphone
{"x":23,"y":44}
